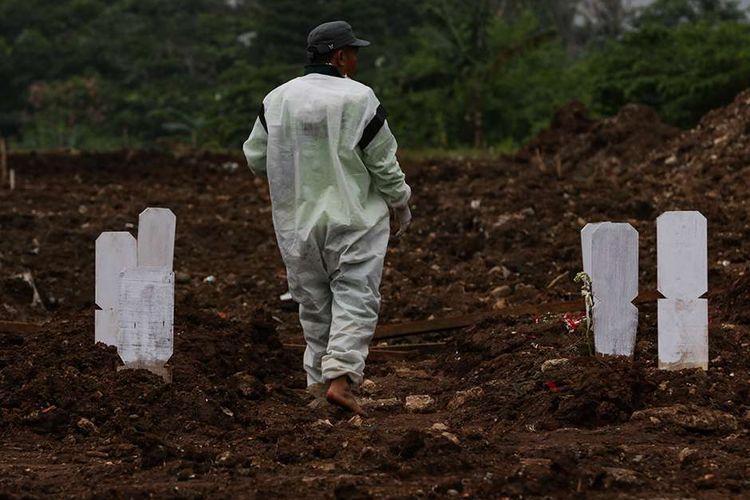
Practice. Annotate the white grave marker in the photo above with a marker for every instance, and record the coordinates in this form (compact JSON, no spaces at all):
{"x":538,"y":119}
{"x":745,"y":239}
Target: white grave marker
{"x":115,"y":251}
{"x":156,"y":232}
{"x":586,"y":234}
{"x":135,"y":291}
{"x":682,"y":255}
{"x":146,"y":319}
{"x":610,"y":258}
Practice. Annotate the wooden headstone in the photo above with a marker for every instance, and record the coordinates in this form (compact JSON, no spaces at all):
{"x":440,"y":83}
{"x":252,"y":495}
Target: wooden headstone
{"x":3,"y":162}
{"x":156,"y":233}
{"x":146,"y":319}
{"x":610,"y":253}
{"x":682,"y":275}
{"x":115,"y":251}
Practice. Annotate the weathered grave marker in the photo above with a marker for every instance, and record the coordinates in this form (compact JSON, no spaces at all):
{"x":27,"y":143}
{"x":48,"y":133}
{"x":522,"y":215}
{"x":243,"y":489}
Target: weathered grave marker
{"x":115,"y":251}
{"x":682,"y":255}
{"x":135,"y":291}
{"x":146,"y":319}
{"x":156,"y":233}
{"x":610,"y":258}
{"x":586,"y":234}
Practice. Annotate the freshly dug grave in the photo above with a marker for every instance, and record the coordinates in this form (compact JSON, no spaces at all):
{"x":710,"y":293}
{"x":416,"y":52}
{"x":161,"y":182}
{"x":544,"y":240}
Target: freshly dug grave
{"x":516,"y":406}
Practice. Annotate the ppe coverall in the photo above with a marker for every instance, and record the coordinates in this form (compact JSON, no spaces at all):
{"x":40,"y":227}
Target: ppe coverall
{"x":330,"y":157}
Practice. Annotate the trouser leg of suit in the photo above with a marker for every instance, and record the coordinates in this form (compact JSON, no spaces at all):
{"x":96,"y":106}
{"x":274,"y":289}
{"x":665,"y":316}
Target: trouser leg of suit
{"x":315,"y":318}
{"x":310,"y":286}
{"x":355,"y":287}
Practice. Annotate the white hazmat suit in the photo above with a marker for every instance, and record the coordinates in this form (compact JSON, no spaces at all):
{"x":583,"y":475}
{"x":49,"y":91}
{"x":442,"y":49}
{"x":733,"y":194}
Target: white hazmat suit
{"x":330,"y":158}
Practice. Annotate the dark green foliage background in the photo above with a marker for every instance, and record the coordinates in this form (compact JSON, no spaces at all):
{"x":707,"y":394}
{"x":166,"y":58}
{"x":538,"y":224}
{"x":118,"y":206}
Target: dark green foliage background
{"x":488,"y":73}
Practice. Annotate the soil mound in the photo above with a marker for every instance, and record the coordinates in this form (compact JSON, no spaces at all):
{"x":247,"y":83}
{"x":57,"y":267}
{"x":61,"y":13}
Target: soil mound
{"x":58,"y":382}
{"x":576,"y":143}
{"x":535,"y":374}
{"x":709,"y":162}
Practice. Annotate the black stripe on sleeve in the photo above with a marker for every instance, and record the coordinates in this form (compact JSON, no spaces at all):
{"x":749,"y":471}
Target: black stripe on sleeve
{"x":262,"y":117}
{"x":373,"y":127}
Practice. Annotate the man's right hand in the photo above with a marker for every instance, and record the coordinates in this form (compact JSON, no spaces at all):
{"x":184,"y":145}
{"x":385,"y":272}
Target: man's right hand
{"x":403,"y":215}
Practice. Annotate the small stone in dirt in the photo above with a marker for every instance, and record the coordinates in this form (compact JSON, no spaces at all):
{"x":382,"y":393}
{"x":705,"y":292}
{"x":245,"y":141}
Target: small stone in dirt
{"x":438,"y":426}
{"x":689,"y":417}
{"x":382,"y":404}
{"x":686,"y":454}
{"x":356,"y":421}
{"x":461,"y":397}
{"x":501,"y":291}
{"x":419,"y":403}
{"x":706,"y":482}
{"x":224,"y":457}
{"x":87,"y":426}
{"x":322,"y":423}
{"x":368,"y":386}
{"x":615,"y":476}
{"x":185,"y":474}
{"x":451,"y":437}
{"x":502,"y":270}
{"x":551,"y":363}
{"x":248,"y":385}
{"x":182,"y":278}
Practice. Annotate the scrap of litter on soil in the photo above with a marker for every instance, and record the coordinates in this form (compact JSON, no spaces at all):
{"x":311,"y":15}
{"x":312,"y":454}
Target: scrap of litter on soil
{"x":509,"y":406}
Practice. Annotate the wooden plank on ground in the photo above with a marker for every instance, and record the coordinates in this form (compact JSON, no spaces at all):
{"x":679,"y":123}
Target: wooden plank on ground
{"x":396,"y":330}
{"x":424,"y":348}
{"x":374,"y":355}
{"x":18,"y":327}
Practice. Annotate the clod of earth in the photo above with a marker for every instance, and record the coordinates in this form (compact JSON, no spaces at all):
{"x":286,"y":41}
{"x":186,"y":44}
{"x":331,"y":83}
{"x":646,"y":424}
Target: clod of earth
{"x":419,"y":403}
{"x":690,"y":418}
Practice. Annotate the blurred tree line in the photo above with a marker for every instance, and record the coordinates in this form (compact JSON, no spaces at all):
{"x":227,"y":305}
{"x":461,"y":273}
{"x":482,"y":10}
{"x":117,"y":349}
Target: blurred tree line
{"x":452,"y":73}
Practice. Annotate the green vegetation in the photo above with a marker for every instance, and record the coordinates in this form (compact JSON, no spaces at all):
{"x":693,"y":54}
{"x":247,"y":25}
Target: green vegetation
{"x":483,"y":74}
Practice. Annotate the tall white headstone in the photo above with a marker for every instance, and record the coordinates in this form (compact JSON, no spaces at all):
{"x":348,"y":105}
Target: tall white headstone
{"x":146,"y":319}
{"x":115,"y":251}
{"x":682,"y":275}
{"x":610,"y":258}
{"x":156,"y":233}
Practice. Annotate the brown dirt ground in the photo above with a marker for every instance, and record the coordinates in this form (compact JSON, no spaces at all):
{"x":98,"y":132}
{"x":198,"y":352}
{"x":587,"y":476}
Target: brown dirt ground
{"x":486,"y":234}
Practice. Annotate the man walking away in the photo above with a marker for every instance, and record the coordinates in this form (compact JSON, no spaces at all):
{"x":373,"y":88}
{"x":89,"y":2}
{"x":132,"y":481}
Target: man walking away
{"x":324,"y":143}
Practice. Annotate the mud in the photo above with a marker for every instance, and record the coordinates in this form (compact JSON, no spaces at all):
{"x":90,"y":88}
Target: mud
{"x":521,"y":409}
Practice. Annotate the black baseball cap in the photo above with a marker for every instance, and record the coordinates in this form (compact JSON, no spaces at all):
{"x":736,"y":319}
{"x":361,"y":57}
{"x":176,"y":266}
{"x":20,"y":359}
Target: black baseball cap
{"x":332,"y":36}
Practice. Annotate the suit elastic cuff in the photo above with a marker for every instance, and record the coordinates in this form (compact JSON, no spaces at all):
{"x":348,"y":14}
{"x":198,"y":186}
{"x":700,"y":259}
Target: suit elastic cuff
{"x":404,"y":200}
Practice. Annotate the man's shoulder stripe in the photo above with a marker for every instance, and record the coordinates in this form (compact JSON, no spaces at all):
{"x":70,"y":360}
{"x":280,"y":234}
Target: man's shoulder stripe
{"x":373,"y":127}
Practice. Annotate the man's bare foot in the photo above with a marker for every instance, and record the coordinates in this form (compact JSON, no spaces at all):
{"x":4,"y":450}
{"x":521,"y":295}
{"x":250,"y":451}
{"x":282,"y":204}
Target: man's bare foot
{"x":318,"y":392}
{"x":340,"y":393}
